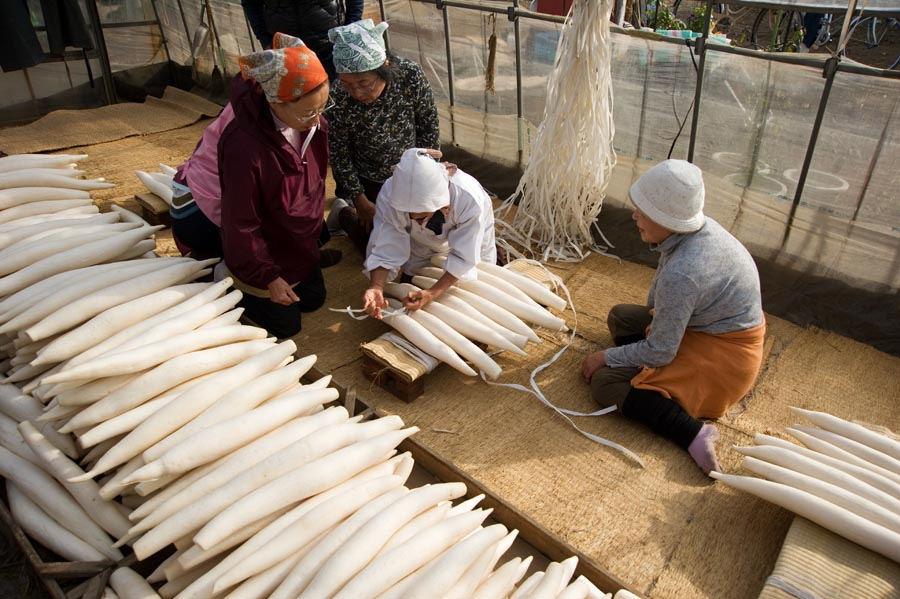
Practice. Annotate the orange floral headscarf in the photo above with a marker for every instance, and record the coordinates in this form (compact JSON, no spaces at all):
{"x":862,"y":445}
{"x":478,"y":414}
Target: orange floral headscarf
{"x":287,"y":71}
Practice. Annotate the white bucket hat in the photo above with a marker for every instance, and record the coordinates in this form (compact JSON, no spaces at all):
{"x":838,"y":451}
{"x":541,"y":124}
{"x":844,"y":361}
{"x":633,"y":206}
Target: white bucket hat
{"x":419,"y":183}
{"x":671,"y":194}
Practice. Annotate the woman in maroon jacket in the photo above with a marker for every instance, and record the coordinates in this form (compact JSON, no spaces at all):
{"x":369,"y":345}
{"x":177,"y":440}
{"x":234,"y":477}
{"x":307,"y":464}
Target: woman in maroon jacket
{"x":271,"y":158}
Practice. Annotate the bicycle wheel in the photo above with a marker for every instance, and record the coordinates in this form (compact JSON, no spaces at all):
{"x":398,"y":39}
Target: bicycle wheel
{"x":777,"y":30}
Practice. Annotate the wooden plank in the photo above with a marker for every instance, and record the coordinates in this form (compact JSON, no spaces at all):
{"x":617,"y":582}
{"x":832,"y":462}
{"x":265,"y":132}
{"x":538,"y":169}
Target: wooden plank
{"x":392,"y":381}
{"x":154,"y":209}
{"x":530,"y":531}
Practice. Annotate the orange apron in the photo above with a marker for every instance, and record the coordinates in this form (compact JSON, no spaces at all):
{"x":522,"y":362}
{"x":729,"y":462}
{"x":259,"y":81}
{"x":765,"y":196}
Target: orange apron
{"x":710,"y":373}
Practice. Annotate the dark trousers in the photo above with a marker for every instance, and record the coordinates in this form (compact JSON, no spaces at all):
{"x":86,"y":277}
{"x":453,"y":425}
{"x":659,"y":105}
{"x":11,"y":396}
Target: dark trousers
{"x":350,"y":224}
{"x":194,"y":233}
{"x":285,"y":321}
{"x":612,"y":386}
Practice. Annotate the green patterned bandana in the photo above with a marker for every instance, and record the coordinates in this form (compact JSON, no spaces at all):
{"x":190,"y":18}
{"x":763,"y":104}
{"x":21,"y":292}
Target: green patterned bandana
{"x":358,"y":47}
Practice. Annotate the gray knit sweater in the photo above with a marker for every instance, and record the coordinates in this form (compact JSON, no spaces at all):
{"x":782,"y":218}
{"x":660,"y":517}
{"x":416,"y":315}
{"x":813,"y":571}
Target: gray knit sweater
{"x":706,"y":281}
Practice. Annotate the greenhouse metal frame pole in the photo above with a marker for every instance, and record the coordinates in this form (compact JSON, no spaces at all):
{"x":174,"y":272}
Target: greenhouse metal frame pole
{"x":105,"y":68}
{"x":513,"y":16}
{"x":698,"y":90}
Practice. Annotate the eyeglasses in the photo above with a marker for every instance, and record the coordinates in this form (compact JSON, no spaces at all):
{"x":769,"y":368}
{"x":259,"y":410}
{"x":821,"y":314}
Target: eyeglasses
{"x":329,"y":104}
{"x":360,"y":87}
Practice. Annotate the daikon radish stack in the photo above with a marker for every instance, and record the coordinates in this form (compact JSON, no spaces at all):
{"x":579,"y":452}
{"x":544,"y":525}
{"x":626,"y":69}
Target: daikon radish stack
{"x":824,"y":513}
{"x":457,"y":342}
{"x":853,"y":431}
{"x":86,"y":493}
{"x":128,"y":584}
{"x":39,"y":209}
{"x":870,"y":455}
{"x":427,"y":342}
{"x":561,"y":191}
{"x":820,"y":445}
{"x":503,"y":580}
{"x":527,"y":312}
{"x":15,"y":162}
{"x":459,"y":305}
{"x":20,"y":179}
{"x":21,"y":407}
{"x":526,"y":284}
{"x":155,"y":186}
{"x":46,"y":531}
{"x":582,"y":588}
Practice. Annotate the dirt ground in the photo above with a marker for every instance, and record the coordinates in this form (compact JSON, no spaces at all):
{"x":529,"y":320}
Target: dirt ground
{"x":737,"y":23}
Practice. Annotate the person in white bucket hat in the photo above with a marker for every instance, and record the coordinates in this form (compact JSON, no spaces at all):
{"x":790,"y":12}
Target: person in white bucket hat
{"x":696,"y":347}
{"x":426,"y":209}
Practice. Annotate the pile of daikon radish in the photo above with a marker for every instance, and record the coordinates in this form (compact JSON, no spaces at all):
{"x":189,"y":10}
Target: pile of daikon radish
{"x":846,"y":478}
{"x":137,"y":410}
{"x":496,"y":309}
{"x":159,"y":183}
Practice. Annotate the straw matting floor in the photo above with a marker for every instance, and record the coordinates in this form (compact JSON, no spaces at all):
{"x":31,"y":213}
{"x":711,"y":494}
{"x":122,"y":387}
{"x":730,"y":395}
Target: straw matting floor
{"x":665,"y":529}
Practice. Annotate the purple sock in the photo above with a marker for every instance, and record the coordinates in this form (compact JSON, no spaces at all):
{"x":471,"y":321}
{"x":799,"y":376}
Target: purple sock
{"x":703,"y":449}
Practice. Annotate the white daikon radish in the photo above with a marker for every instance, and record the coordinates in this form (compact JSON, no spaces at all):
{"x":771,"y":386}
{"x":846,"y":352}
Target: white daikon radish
{"x":824,"y":513}
{"x":39,"y":208}
{"x":261,"y":585}
{"x":581,"y":588}
{"x":874,"y":479}
{"x":529,"y":286}
{"x":12,"y":237}
{"x":22,"y":407}
{"x":46,"y":531}
{"x":93,"y":304}
{"x":826,"y":491}
{"x":444,"y":571}
{"x":157,"y":187}
{"x":386,"y":570}
{"x":462,"y":323}
{"x":32,"y":295}
{"x":315,"y":477}
{"x":179,"y":318}
{"x":114,"y":319}
{"x":123,"y":423}
{"x":426,"y":519}
{"x":199,"y":397}
{"x":853,"y":431}
{"x":128,"y":216}
{"x":43,"y":490}
{"x":303,"y":530}
{"x":361,"y":547}
{"x":797,"y":462}
{"x":16,"y":162}
{"x":15,"y":179}
{"x":526,"y":312}
{"x":91,"y":392}
{"x":203,"y":508}
{"x":114,"y":485}
{"x":39,"y":171}
{"x":457,"y":342}
{"x":460,"y":306}
{"x":507,"y":288}
{"x":128,"y":584}
{"x":498,"y":314}
{"x":238,"y":401}
{"x":502,"y":581}
{"x":11,"y":439}
{"x":86,"y":493}
{"x":528,"y":586}
{"x":820,"y":445}
{"x":427,"y":342}
{"x":83,"y":211}
{"x":625,"y":594}
{"x":86,"y":255}
{"x":873,"y":456}
{"x":322,"y":552}
{"x":166,"y":377}
{"x":480,"y":568}
{"x":556,"y":578}
{"x":167,"y":503}
{"x":149,"y":356}
{"x":223,"y":438}
{"x":37,"y":247}
{"x":167,"y":169}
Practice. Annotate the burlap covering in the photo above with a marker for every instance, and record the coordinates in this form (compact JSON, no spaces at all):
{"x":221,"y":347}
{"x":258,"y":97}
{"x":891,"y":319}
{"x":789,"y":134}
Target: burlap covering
{"x":816,"y":563}
{"x":665,"y":529}
{"x":389,"y":355}
{"x":64,"y":129}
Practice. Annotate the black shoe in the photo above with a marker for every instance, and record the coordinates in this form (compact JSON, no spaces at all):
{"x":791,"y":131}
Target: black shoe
{"x":329,"y":257}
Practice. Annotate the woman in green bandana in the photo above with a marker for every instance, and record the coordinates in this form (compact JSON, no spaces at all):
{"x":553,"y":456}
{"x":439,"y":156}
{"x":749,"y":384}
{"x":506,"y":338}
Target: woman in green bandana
{"x":383,"y":106}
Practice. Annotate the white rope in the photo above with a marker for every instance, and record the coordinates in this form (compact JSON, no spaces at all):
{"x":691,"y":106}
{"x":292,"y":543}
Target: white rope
{"x":561,"y":192}
{"x":429,"y":362}
{"x":351,"y":312}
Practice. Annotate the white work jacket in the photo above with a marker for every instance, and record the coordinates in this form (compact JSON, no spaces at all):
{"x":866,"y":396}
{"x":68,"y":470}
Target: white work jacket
{"x":398,"y":242}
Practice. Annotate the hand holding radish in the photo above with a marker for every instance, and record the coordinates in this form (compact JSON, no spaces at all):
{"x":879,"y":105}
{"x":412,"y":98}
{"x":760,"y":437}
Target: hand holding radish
{"x":281,"y":293}
{"x":417,"y":300}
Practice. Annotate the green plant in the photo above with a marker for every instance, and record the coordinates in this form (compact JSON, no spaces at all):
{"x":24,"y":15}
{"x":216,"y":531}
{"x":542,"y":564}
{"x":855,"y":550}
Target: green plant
{"x":664,"y":19}
{"x":695,"y":21}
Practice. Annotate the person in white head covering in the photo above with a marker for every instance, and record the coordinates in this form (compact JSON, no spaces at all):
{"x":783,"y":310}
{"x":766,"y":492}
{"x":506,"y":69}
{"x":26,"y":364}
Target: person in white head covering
{"x":425,"y":209}
{"x":696,"y":347}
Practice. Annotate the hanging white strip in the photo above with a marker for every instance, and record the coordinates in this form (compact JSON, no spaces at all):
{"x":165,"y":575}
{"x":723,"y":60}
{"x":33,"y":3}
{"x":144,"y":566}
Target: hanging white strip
{"x":312,"y":133}
{"x":352,"y":312}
